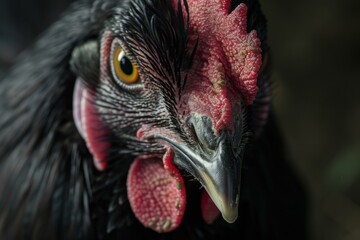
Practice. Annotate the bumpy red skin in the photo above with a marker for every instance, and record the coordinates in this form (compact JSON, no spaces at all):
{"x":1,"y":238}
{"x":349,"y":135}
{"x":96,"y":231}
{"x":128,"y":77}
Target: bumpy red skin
{"x":226,"y":64}
{"x":223,"y":75}
{"x":222,"y":78}
{"x":157,"y":195}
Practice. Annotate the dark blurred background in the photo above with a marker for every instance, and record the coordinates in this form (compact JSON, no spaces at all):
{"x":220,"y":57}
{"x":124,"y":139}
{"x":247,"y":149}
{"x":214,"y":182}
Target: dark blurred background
{"x":315,"y":50}
{"x":316,"y":53}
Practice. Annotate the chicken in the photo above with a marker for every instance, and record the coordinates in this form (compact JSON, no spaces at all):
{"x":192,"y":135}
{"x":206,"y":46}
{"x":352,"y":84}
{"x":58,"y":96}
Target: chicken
{"x":146,"y":119}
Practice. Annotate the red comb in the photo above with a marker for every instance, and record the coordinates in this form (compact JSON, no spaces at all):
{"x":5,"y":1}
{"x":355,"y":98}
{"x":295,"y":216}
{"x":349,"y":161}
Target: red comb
{"x":225,"y":35}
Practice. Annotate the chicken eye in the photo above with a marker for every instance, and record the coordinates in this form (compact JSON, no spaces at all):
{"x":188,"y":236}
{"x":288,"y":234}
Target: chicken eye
{"x":124,"y":69}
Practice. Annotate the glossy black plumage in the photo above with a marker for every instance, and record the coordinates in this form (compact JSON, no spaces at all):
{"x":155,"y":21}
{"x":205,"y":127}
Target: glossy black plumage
{"x":49,"y":186}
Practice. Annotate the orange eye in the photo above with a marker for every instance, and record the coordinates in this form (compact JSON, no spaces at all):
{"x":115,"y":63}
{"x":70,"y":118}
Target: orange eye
{"x":124,"y":69}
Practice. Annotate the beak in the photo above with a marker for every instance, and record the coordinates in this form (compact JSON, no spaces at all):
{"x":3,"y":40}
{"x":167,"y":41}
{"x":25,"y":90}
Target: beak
{"x":213,"y":162}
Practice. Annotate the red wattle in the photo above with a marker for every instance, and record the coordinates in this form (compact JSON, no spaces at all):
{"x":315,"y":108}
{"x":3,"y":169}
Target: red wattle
{"x":157,"y":197}
{"x":209,"y":211}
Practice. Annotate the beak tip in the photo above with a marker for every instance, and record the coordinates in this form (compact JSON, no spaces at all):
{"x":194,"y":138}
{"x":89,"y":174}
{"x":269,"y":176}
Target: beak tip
{"x":230,"y":219}
{"x":230,"y":215}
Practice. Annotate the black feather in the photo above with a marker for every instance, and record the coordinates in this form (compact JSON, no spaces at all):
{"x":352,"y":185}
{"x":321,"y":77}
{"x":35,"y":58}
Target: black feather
{"x":85,"y":63}
{"x":45,"y":169}
{"x":49,"y":186}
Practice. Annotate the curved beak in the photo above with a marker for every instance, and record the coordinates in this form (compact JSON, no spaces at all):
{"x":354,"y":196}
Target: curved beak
{"x":214,"y":164}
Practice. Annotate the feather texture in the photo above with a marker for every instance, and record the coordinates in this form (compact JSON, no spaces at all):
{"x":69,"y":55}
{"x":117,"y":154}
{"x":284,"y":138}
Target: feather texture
{"x":49,"y":186}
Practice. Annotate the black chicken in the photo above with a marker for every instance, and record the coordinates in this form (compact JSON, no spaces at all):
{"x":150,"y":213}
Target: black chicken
{"x":137,"y":120}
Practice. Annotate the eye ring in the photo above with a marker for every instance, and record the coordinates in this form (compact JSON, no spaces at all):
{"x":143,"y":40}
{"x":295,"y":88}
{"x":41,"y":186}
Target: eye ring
{"x":123,"y":68}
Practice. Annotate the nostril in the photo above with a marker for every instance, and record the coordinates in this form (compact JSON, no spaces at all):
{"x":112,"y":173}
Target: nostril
{"x":202,"y":129}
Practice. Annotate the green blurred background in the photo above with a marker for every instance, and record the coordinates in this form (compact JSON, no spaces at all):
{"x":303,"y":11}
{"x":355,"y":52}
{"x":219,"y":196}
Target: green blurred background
{"x":315,"y":51}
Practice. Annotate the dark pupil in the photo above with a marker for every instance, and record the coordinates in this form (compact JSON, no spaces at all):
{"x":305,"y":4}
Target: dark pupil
{"x":126,"y":66}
